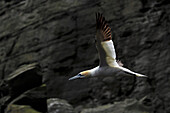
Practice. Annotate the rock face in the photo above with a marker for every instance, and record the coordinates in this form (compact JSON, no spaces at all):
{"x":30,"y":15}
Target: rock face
{"x":59,"y":37}
{"x":126,"y":106}
{"x":56,"y":105}
{"x":24,"y":88}
{"x":23,"y":79}
{"x":35,"y":98}
{"x":21,"y":109}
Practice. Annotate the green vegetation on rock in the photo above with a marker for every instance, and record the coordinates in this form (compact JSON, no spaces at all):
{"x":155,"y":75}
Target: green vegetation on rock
{"x":20,"y":109}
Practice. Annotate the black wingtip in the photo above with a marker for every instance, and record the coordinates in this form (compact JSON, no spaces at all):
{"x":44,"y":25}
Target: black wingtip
{"x":102,"y":25}
{"x":100,"y":20}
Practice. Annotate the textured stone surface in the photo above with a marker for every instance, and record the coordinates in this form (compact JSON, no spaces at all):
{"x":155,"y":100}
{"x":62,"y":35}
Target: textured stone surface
{"x":16,"y":88}
{"x":56,"y":105}
{"x":23,"y":79}
{"x":126,"y":106}
{"x":59,"y":36}
{"x":35,"y":98}
{"x":20,"y":109}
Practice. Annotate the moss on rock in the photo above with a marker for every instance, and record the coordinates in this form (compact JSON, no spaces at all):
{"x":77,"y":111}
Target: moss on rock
{"x":20,"y":109}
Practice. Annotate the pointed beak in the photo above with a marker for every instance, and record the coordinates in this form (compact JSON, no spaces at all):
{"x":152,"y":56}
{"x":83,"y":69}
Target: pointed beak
{"x":75,"y":77}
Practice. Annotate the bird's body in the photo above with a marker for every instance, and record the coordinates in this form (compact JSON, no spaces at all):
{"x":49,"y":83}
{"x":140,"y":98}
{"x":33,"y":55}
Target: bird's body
{"x":104,"y":71}
{"x":108,"y":65}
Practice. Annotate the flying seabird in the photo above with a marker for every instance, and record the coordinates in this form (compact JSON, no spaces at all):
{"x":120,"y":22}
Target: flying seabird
{"x":108,"y":64}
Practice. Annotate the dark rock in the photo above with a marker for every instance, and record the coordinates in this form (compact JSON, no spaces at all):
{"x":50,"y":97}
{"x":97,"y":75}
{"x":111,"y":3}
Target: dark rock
{"x":4,"y":88}
{"x":56,"y":105}
{"x":23,"y":79}
{"x":126,"y":106}
{"x":35,"y":98}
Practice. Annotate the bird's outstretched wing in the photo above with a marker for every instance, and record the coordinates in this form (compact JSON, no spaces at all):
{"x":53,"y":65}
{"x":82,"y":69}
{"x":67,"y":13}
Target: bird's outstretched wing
{"x":104,"y":42}
{"x":105,"y":46}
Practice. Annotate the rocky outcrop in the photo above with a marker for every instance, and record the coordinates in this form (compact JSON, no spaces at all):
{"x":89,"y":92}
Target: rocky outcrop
{"x":59,"y":37}
{"x":126,"y":106}
{"x":20,"y":109}
{"x":24,"y":87}
{"x":36,"y":98}
{"x":23,"y":79}
{"x":56,"y":105}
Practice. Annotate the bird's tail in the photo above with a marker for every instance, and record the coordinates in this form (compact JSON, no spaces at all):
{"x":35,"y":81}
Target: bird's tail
{"x":140,"y":75}
{"x":131,"y":72}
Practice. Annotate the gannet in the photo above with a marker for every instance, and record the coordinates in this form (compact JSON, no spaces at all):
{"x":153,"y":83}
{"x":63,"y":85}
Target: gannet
{"x":108,"y":64}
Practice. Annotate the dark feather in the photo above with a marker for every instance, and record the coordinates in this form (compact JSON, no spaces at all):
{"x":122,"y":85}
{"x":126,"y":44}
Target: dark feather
{"x":103,"y":28}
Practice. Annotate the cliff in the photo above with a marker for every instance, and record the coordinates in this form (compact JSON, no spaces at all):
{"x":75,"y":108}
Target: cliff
{"x":44,"y":42}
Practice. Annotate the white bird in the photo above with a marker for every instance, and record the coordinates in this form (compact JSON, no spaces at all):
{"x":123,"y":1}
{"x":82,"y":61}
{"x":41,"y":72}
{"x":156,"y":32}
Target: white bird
{"x":107,"y":55}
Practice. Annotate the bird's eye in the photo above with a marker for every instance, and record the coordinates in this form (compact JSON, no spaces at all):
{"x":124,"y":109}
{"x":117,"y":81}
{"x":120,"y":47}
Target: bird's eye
{"x":80,"y":75}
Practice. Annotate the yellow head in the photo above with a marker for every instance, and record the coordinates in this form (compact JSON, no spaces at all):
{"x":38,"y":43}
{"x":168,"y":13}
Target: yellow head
{"x":85,"y":73}
{"x":82,"y":74}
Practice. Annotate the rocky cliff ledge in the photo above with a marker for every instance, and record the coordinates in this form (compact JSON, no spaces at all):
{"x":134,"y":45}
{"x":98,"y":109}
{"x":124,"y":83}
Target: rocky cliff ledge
{"x":44,"y":42}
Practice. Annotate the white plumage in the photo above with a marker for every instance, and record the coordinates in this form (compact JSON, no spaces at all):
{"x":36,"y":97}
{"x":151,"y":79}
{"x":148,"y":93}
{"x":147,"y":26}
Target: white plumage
{"x":110,"y":53}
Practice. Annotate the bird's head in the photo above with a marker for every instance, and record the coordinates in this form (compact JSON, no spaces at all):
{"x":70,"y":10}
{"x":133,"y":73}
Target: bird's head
{"x":82,"y":74}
